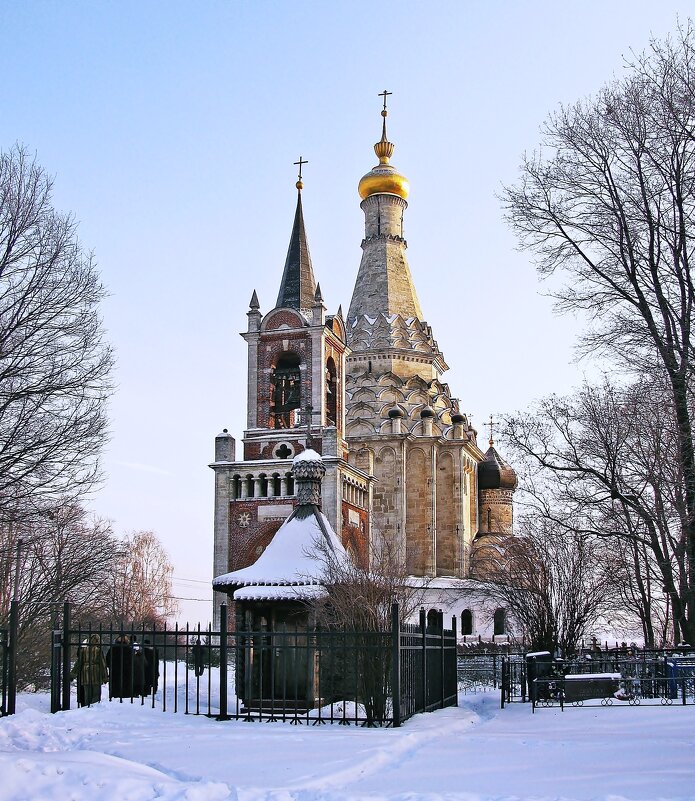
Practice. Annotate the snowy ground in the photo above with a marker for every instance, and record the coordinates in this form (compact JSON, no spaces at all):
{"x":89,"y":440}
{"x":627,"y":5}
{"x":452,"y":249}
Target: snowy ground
{"x":124,"y":752}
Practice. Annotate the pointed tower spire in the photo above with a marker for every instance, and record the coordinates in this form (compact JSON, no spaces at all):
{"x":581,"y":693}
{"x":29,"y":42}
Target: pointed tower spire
{"x":298,"y":286}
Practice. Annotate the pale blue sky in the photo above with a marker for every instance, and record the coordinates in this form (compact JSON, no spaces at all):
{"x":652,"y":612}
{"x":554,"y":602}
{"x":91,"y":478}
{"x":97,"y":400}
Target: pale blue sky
{"x":171,"y":129}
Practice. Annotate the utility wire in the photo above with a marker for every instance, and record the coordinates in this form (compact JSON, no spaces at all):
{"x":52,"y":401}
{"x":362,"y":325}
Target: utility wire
{"x":202,"y":600}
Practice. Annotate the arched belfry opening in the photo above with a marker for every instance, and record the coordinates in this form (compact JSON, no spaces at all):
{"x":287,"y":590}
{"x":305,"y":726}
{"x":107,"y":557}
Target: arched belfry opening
{"x":285,"y":391}
{"x":331,"y":392}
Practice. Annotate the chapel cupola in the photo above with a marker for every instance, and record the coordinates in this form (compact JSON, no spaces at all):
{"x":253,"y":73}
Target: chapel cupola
{"x":493,"y":472}
{"x":496,"y":484}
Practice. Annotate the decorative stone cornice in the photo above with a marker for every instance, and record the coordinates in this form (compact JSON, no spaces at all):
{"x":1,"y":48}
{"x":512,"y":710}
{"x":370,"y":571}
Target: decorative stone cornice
{"x":384,"y":238}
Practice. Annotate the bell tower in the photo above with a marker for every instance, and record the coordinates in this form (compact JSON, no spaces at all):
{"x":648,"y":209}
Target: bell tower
{"x":295,"y":401}
{"x":296,"y":362}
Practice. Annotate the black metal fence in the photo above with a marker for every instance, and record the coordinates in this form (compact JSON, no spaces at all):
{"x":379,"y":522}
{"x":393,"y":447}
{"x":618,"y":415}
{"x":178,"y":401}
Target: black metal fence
{"x":638,"y":676}
{"x":653,"y":691}
{"x":478,"y":672}
{"x":4,"y":648}
{"x":425,"y":663}
{"x":288,"y":673}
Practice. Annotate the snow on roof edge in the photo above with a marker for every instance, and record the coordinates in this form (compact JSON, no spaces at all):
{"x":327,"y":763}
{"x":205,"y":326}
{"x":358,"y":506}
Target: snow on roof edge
{"x":307,"y":455}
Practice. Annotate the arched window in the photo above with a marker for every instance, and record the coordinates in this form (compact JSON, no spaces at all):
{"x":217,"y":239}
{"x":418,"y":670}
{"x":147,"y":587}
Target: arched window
{"x":466,"y":622}
{"x":285,"y":391}
{"x":433,"y":619}
{"x":500,"y":622}
{"x":331,"y":393}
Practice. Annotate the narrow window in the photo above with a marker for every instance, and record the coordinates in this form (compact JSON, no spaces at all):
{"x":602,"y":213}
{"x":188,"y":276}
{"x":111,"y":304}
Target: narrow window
{"x":331,"y":393}
{"x":433,"y":619}
{"x":466,"y":622}
{"x":500,"y":622}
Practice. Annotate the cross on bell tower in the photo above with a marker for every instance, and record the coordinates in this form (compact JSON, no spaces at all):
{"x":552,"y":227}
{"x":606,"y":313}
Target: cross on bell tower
{"x":490,"y":426}
{"x":300,"y":163}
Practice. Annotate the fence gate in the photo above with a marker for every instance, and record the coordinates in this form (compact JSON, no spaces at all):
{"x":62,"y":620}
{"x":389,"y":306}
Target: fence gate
{"x":424,"y":665}
{"x":513,"y":683}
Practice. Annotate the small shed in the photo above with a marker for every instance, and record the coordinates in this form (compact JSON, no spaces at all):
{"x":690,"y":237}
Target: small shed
{"x":276,"y":664}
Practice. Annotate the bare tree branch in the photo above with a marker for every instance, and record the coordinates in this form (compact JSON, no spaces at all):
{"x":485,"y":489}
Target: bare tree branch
{"x":54,"y":363}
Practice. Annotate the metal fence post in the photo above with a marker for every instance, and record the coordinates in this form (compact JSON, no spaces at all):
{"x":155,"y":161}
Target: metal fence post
{"x":504,"y":681}
{"x":12,"y":658}
{"x":396,"y":664}
{"x":440,"y":615}
{"x":223,"y":662}
{"x":455,"y":658}
{"x":3,"y":667}
{"x":66,"y":657}
{"x":423,"y":631}
{"x":533,"y":691}
{"x":55,"y":671}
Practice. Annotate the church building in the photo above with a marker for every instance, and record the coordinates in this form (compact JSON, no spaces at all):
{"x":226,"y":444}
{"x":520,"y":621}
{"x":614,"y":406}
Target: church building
{"x":366,"y":391}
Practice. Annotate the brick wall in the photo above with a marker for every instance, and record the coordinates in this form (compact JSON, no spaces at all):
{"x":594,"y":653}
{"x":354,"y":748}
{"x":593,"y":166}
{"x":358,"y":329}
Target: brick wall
{"x":246,"y":540}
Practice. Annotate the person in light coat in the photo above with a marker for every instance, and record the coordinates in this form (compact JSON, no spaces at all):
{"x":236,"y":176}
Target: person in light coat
{"x":90,"y":671}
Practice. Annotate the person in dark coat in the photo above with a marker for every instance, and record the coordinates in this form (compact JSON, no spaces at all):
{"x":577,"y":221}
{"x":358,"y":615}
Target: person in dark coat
{"x":90,"y":671}
{"x":151,"y":667}
{"x":120,"y":663}
{"x":139,"y":670}
{"x":198,"y":658}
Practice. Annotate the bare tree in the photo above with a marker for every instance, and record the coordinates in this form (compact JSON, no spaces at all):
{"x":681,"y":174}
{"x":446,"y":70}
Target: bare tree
{"x":141,"y":590}
{"x":66,"y":556}
{"x":609,"y":204}
{"x":359,"y":602}
{"x":54,"y":362}
{"x":551,"y":581}
{"x":361,"y":598}
{"x":638,"y":591}
{"x":605,"y":462}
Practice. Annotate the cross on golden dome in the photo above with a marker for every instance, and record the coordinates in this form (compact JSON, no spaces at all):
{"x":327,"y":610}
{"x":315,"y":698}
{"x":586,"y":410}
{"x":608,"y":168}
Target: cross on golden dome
{"x":383,"y":179}
{"x":384,"y":94}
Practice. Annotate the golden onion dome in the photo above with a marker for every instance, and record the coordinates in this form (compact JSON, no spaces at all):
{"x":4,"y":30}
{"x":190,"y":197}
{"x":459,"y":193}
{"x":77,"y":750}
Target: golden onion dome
{"x":383,"y":179}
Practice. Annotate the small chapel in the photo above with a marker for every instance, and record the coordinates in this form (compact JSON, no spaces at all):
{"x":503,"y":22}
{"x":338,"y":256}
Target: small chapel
{"x":366,"y":392}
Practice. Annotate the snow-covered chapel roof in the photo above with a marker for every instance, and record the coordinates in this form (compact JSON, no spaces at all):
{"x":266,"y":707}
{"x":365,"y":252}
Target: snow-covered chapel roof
{"x":295,"y":557}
